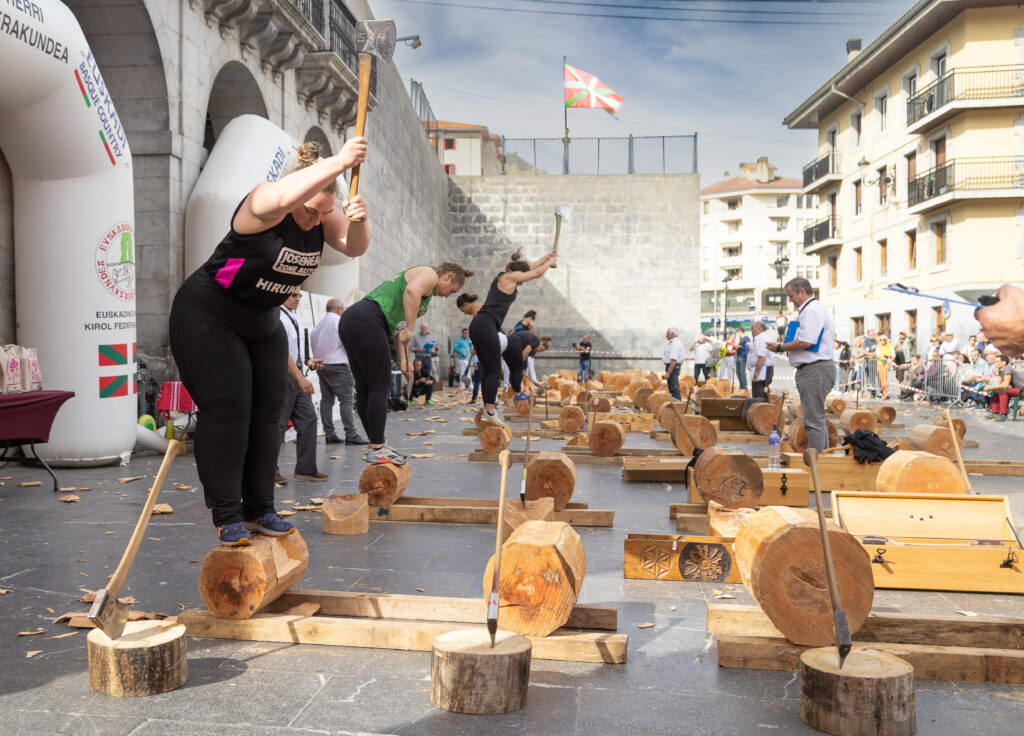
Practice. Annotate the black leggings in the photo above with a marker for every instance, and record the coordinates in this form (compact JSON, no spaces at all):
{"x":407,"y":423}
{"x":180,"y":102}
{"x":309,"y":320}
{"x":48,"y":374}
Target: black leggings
{"x":233,"y":360}
{"x":513,"y":356}
{"x":364,"y":333}
{"x":483,"y":332}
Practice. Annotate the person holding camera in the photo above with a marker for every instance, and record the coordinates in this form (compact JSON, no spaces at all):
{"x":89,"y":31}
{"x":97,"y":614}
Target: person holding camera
{"x":422,"y":382}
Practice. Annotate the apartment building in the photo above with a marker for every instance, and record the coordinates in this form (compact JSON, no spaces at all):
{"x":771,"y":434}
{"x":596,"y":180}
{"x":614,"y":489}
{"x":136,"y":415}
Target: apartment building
{"x":466,"y":150}
{"x":749,"y":223}
{"x":919,"y":172}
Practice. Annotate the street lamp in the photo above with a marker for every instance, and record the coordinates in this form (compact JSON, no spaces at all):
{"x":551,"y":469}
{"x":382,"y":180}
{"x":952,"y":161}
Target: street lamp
{"x":781,"y":264}
{"x":413,"y":41}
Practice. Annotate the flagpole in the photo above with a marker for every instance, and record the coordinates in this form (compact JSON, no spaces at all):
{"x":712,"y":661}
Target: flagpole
{"x":565,"y":111}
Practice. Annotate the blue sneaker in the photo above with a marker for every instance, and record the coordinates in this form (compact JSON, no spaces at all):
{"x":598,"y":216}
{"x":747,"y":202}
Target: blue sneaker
{"x":271,"y":524}
{"x":233,"y":535}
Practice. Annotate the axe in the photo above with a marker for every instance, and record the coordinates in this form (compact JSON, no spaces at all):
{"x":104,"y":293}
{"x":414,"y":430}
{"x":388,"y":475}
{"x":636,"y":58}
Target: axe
{"x":562,"y":212}
{"x":107,"y":612}
{"x":373,"y":38}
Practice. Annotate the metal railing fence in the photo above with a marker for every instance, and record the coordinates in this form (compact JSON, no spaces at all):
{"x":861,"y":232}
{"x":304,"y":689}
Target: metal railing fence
{"x":982,"y":83}
{"x":967,"y":174}
{"x":663,"y":154}
{"x":827,"y":164}
{"x":821,"y":230}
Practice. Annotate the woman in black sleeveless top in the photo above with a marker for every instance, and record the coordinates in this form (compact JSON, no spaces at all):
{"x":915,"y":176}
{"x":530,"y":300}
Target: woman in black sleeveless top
{"x":227,"y":339}
{"x":485,"y":329}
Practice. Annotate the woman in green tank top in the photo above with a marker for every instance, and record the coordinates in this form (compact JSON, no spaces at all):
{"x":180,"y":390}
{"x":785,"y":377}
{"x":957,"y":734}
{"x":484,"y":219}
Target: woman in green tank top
{"x":366,"y":330}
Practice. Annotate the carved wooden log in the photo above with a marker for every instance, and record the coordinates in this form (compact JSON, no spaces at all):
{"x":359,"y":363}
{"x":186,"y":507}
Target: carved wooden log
{"x":854,"y":419}
{"x":762,"y":418}
{"x":722,"y":387}
{"x":797,"y":435}
{"x":958,"y":424}
{"x":148,"y":658}
{"x":495,"y":439}
{"x":516,"y":513}
{"x":571,"y":419}
{"x":835,"y":405}
{"x":936,"y":440}
{"x":919,"y":472}
{"x":467,"y":675}
{"x":566,"y":389}
{"x":236,"y":582}
{"x":385,"y":483}
{"x":702,"y":430}
{"x":779,"y":555}
{"x":542,"y":569}
{"x":688,"y":381}
{"x":730,"y":477}
{"x":346,"y":514}
{"x":794,"y":410}
{"x":657,"y":400}
{"x":885,"y":414}
{"x":551,"y":475}
{"x":606,"y":438}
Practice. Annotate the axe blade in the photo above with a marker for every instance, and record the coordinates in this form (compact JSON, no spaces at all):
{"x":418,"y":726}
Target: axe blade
{"x":109,"y":614}
{"x":564,"y":212}
{"x":376,"y":37}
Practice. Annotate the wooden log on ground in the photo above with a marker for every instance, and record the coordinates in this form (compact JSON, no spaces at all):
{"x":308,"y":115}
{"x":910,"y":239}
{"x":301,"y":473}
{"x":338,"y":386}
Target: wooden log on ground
{"x":148,"y":658}
{"x":704,"y":393}
{"x":722,"y":387}
{"x":936,"y":440}
{"x":885,"y":414}
{"x":467,"y":675}
{"x":898,"y":444}
{"x":551,"y":475}
{"x":854,"y":419}
{"x":517,"y":513}
{"x":599,"y":403}
{"x":571,"y":419}
{"x":657,"y":400}
{"x":688,"y":382}
{"x":913,"y":471}
{"x":236,"y":582}
{"x":635,"y":386}
{"x":385,"y":483}
{"x":730,"y":477}
{"x":794,"y":411}
{"x":640,"y":397}
{"x":958,"y":424}
{"x":523,"y":407}
{"x":702,"y":430}
{"x":346,"y":513}
{"x":606,"y":438}
{"x":796,"y":434}
{"x":762,"y":418}
{"x":542,"y":569}
{"x":566,"y":389}
{"x":779,"y":555}
{"x":872,"y":693}
{"x":741,"y":393}
{"x":835,"y":405}
{"x":667,"y":418}
{"x":478,"y":419}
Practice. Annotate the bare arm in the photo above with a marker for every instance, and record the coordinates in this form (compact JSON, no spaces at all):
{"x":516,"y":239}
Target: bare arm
{"x":293,"y":370}
{"x":509,"y":280}
{"x":349,"y":238}
{"x":419,"y":282}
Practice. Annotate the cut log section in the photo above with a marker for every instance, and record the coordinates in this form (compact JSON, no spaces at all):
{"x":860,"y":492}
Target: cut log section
{"x":640,"y":397}
{"x":657,"y":400}
{"x":730,"y":477}
{"x":854,"y":419}
{"x":346,"y":513}
{"x":958,"y":424}
{"x":913,"y":471}
{"x":835,"y":405}
{"x":478,"y":419}
{"x":635,"y":386}
{"x":542,"y":569}
{"x":702,"y":430}
{"x":236,"y":582}
{"x":467,"y":675}
{"x":780,"y":559}
{"x":516,"y":514}
{"x":494,"y":439}
{"x":898,"y":444}
{"x":872,"y":693}
{"x":384,"y":483}
{"x":936,"y":440}
{"x":885,"y":414}
{"x":571,"y":419}
{"x":667,"y":418}
{"x":762,"y":417}
{"x":148,"y":658}
{"x":599,"y":403}
{"x":551,"y":475}
{"x":796,"y":435}
{"x":606,"y":438}
{"x":523,"y":407}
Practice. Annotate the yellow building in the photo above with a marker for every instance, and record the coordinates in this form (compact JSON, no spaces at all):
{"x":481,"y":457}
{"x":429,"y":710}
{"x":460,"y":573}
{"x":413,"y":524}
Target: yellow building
{"x":920,"y":168}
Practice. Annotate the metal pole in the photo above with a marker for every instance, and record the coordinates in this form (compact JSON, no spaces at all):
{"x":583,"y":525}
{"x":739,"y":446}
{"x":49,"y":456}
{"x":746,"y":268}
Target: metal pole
{"x":630,"y":153}
{"x":565,"y":138}
{"x":663,"y":154}
{"x":695,"y":153}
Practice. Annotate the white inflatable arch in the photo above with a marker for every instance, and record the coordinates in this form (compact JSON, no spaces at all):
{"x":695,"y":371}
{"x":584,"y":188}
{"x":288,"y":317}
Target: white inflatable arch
{"x":73,"y":228}
{"x":249,"y":150}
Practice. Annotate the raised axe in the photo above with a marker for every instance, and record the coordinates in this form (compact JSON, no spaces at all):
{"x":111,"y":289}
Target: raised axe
{"x":492,"y":599}
{"x":107,"y":612}
{"x":840,"y":623}
{"x":562,"y":212}
{"x":373,"y":38}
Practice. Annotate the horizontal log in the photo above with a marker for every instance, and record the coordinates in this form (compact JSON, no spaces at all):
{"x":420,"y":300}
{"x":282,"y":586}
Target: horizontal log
{"x":578,"y":458}
{"x":470,"y":514}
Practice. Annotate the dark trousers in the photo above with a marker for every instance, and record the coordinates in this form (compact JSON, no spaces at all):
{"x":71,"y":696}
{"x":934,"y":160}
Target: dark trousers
{"x":483,"y":331}
{"x":423,"y":389}
{"x":741,"y":371}
{"x":758,"y":390}
{"x":583,"y":372}
{"x":698,"y":368}
{"x":513,"y":357}
{"x":336,"y":382}
{"x":673,"y":382}
{"x":478,"y":377}
{"x":233,"y":360}
{"x":364,"y":333}
{"x":298,"y":409}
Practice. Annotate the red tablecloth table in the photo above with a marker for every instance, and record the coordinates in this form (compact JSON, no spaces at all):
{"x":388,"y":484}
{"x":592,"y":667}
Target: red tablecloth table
{"x":25,"y":419}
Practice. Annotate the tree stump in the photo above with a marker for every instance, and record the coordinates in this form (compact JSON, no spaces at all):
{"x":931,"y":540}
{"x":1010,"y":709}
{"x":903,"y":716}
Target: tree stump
{"x":571,"y":419}
{"x":478,"y":419}
{"x":667,"y":418}
{"x":730,"y":477}
{"x":835,"y":405}
{"x":936,"y":440}
{"x":796,"y":435}
{"x":523,"y":407}
{"x":542,"y":569}
{"x":705,"y":393}
{"x":657,"y":400}
{"x":606,"y":438}
{"x":148,"y":658}
{"x":516,"y":513}
{"x":641,"y":396}
{"x":854,"y":419}
{"x":236,"y":582}
{"x":688,"y":382}
{"x":566,"y":389}
{"x":494,"y":439}
{"x":794,"y":411}
{"x":762,"y":418}
{"x":872,"y":695}
{"x":918,"y":472}
{"x":599,"y":403}
{"x":346,"y":514}
{"x":468,"y":676}
{"x":958,"y":424}
{"x":385,"y":483}
{"x":551,"y":475}
{"x":885,"y":414}
{"x":702,"y":430}
{"x":635,"y":386}
{"x":779,"y":555}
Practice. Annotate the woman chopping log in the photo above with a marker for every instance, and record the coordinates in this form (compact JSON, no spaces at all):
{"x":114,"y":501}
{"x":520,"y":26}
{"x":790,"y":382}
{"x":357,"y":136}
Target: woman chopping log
{"x":366,"y":329}
{"x":228,"y":342}
{"x":518,"y":356}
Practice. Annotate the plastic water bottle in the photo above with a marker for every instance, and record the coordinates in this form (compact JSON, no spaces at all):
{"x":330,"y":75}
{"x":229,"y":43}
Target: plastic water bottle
{"x":774,"y":450}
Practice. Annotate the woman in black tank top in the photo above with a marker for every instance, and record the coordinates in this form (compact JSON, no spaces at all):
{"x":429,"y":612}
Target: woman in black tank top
{"x":228,"y":343}
{"x":486,"y":325}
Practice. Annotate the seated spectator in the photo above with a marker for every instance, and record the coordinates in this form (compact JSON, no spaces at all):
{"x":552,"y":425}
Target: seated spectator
{"x":914,"y":386}
{"x":422,"y":381}
{"x":1009,"y":384}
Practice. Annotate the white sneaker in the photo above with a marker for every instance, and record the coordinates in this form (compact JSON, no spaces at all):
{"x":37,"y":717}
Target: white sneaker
{"x":493,"y":419}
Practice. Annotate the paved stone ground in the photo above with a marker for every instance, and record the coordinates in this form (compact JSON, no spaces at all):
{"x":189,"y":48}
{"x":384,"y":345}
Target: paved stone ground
{"x":671,"y":683}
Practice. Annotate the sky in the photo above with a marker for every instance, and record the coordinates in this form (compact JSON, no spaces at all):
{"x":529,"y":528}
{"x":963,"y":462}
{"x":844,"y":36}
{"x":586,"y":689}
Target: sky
{"x":729,"y":71}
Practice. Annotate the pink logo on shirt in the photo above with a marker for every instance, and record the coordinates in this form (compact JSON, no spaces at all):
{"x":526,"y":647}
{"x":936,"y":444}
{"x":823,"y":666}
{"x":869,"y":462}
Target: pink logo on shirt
{"x":227,"y":272}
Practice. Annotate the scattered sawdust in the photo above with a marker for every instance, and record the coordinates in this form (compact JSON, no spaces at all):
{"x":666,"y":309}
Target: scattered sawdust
{"x":68,"y":499}
{"x":34,"y":652}
{"x":32,"y":633}
{"x":645,"y":625}
{"x":162,"y":508}
{"x":130,"y":479}
{"x":421,"y":455}
{"x":30,"y":484}
{"x":285,"y":512}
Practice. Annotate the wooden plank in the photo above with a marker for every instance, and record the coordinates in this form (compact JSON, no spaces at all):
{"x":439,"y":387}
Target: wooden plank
{"x":579,"y":458}
{"x":906,"y":438}
{"x":657,"y":557}
{"x":547,"y":434}
{"x":488,"y":503}
{"x":565,"y":644}
{"x":574,"y":451}
{"x":425,"y":608}
{"x":1013,"y":468}
{"x":483,"y":515}
{"x":664,"y":469}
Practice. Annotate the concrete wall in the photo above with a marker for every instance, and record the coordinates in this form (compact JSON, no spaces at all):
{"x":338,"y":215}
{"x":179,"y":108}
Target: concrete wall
{"x":628,"y":259}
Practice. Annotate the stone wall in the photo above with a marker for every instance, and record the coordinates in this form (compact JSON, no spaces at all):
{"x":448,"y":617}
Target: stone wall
{"x":627,"y":260}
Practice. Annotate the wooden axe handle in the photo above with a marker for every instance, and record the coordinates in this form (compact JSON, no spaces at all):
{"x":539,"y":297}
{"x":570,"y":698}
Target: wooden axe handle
{"x":365,"y":69}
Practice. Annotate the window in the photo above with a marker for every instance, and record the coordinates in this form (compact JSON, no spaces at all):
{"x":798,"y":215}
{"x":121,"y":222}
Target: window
{"x":884,"y":322}
{"x":707,"y":207}
{"x":830,"y":138}
{"x":735,"y":273}
{"x":449,"y":169}
{"x":910,"y":84}
{"x":855,"y":123}
{"x":705,"y":275}
{"x":911,"y":249}
{"x":911,"y":165}
{"x":731,"y":251}
{"x":704,"y":230}
{"x":833,"y":271}
{"x":883,"y":257}
{"x":940,"y":319}
{"x":782,"y":201}
{"x":911,"y":324}
{"x":857,"y":203}
{"x":882,"y":108}
{"x":939,"y":65}
{"x":858,"y":270}
{"x":734,"y":204}
{"x":734,"y":226}
{"x":449,"y":144}
{"x":939,"y":233}
{"x":883,"y":186}
{"x":858,"y":326}
{"x":781,"y":223}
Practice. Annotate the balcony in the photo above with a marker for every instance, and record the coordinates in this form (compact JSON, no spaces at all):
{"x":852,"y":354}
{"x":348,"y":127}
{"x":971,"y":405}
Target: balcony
{"x":821,"y":173}
{"x":822,"y":235}
{"x":963,"y":179}
{"x":970,"y":88}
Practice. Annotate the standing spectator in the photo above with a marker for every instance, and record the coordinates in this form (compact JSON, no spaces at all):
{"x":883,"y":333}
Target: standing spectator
{"x":908,"y":344}
{"x":1009,"y":384}
{"x":742,"y":350}
{"x":947,"y":346}
{"x":701,"y":350}
{"x":335,"y":376}
{"x":857,"y":363}
{"x":982,"y":342}
{"x":298,"y":406}
{"x":727,"y":367}
{"x":811,"y":352}
{"x":583,"y":348}
{"x":424,"y":347}
{"x":780,"y":323}
{"x":673,"y":359}
{"x":762,"y":360}
{"x":867,"y":359}
{"x":902,"y":358}
{"x":885,"y":354}
{"x":422,"y":382}
{"x":477,"y":374}
{"x":463,"y":348}
{"x":845,"y":363}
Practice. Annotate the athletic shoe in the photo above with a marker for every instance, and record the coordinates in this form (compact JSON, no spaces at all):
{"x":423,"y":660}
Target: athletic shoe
{"x":384,"y":454}
{"x":493,"y":419}
{"x":234,"y":535}
{"x":522,"y":397}
{"x":315,"y":477}
{"x":280,"y":479}
{"x":357,"y":440}
{"x":271,"y":524}
{"x":333,"y":439}
{"x":429,"y":402}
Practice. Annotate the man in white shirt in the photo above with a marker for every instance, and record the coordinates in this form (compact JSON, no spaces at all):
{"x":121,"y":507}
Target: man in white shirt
{"x":673,"y":358}
{"x":948,"y":346}
{"x":335,"y":376}
{"x":298,"y":406}
{"x":760,"y":360}
{"x":812,"y":352}
{"x":701,"y":352}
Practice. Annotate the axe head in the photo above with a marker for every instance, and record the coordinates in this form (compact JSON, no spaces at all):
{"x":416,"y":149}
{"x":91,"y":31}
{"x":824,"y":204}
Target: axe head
{"x":109,"y":614}
{"x":376,"y":37}
{"x":563,"y":212}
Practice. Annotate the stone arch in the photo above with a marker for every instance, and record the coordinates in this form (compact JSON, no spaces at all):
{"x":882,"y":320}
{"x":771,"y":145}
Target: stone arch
{"x":235,"y":92}
{"x":317,"y":134}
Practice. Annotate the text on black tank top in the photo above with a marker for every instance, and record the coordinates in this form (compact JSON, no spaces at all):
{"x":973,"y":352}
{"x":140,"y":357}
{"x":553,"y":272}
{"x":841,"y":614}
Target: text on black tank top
{"x":263,"y":269}
{"x":497,"y":303}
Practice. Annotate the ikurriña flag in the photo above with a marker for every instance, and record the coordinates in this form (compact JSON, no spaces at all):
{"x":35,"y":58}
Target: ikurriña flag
{"x":586,"y":90}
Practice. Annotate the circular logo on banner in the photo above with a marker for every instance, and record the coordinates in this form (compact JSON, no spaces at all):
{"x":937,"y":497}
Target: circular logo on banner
{"x":945,"y":309}
{"x":115,"y":261}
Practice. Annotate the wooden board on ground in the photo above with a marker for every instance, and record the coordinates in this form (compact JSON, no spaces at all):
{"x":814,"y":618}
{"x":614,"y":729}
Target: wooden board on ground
{"x":783,"y":487}
{"x":547,"y":434}
{"x":479,"y":511}
{"x":724,"y":438}
{"x":654,"y":469}
{"x":574,"y":451}
{"x":630,"y":422}
{"x":691,"y":558}
{"x":579,"y":455}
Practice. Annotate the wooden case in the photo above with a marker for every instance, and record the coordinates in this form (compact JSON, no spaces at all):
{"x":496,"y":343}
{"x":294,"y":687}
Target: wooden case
{"x":690,"y":558}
